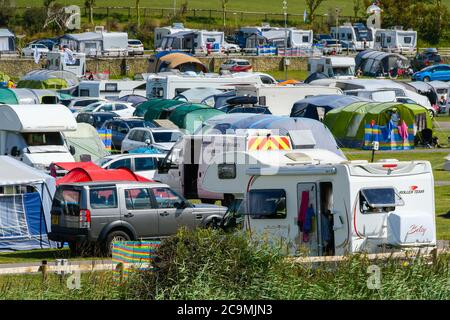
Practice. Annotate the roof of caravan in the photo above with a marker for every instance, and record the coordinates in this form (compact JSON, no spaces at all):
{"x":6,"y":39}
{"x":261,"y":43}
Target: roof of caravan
{"x":85,"y":36}
{"x":6,"y":33}
{"x":36,"y":118}
{"x":24,"y":95}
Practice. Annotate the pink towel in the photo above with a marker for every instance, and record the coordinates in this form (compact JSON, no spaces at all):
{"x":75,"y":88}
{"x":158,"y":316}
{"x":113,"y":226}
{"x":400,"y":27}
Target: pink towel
{"x":403,"y":130}
{"x":303,"y":208}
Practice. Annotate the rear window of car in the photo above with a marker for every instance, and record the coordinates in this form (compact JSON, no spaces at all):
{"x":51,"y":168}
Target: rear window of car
{"x":141,"y":124}
{"x":243,"y":63}
{"x":134,"y":42}
{"x":67,"y":202}
{"x":103,"y":197}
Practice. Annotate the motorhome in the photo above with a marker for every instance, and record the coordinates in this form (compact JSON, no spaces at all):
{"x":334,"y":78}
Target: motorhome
{"x":34,"y":134}
{"x":196,"y":41}
{"x":111,"y":89}
{"x":358,"y":34}
{"x":161,"y":32}
{"x":316,"y":205}
{"x":168,"y":86}
{"x":396,"y":40}
{"x":280,"y":99}
{"x":57,"y":61}
{"x":333,"y":67}
{"x":97,"y":43}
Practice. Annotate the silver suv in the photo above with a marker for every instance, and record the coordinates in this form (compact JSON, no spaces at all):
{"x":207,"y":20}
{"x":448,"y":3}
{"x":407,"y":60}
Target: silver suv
{"x":84,"y":214}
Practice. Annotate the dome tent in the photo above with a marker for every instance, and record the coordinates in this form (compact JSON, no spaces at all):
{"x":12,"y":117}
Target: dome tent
{"x":48,"y":79}
{"x":192,"y":116}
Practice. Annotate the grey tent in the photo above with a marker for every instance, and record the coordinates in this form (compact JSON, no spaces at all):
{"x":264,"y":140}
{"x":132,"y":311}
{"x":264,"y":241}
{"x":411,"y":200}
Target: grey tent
{"x":315,"y":76}
{"x":304,"y":129}
{"x":425,"y":89}
{"x":316,"y":107}
{"x":86,"y":140}
{"x":374,"y":63}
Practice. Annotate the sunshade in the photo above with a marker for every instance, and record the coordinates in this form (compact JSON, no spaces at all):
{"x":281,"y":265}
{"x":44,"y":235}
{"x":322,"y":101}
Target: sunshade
{"x":177,"y":60}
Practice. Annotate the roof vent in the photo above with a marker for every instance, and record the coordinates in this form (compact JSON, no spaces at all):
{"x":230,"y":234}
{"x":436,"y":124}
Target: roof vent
{"x":299,"y":157}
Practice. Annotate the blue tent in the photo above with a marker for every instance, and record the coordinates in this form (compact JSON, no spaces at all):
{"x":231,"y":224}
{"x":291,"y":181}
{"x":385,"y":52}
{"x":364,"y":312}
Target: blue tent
{"x":25,"y":203}
{"x":280,"y":125}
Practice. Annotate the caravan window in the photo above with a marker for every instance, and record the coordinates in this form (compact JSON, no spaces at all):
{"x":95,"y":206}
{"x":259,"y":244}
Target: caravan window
{"x":111,"y":87}
{"x":379,"y":200}
{"x":388,"y":39}
{"x":407,"y":40}
{"x":267,"y":204}
{"x":305,"y":39}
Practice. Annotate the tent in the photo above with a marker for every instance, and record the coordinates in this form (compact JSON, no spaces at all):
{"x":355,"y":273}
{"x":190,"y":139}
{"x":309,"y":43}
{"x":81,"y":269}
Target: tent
{"x":304,"y":128}
{"x":7,"y":41}
{"x":85,"y":174}
{"x":25,"y":203}
{"x":28,"y":96}
{"x":315,"y":76}
{"x":48,"y":79}
{"x":427,"y":90}
{"x":360,"y":124}
{"x":165,"y":61}
{"x":134,"y":99}
{"x":192,"y":116}
{"x":86,"y":140}
{"x":374,"y":63}
{"x":197,"y":95}
{"x":316,"y":107}
{"x":161,"y":109}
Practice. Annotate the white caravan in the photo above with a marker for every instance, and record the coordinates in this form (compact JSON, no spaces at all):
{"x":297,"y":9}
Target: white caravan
{"x":302,"y":39}
{"x":111,"y":89}
{"x":317,"y":205}
{"x":395,"y":40}
{"x":168,"y":86}
{"x":358,"y":34}
{"x":55,"y":61}
{"x":333,"y":67}
{"x":34,"y":134}
{"x":161,"y":32}
{"x":280,"y":99}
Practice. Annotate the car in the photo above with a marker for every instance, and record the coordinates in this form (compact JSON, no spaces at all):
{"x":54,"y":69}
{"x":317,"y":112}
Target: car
{"x":347,"y":45}
{"x":95,"y":119}
{"x":236,"y":65}
{"x":435,"y":72}
{"x":28,"y":51}
{"x":120,"y":127}
{"x":425,"y":59}
{"x":95,"y":214}
{"x":145,"y":165}
{"x":49,"y":43}
{"x":135,"y":47}
{"x":122,"y":109}
{"x":76,"y":104}
{"x":231,"y":48}
{"x":331,"y":46}
{"x":158,"y":138}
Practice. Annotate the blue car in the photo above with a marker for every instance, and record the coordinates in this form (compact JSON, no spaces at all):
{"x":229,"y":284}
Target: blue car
{"x":436,"y":72}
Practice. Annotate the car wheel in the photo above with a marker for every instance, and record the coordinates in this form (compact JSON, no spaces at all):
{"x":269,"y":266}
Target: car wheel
{"x":113,"y":237}
{"x":426,"y":79}
{"x":432,"y":114}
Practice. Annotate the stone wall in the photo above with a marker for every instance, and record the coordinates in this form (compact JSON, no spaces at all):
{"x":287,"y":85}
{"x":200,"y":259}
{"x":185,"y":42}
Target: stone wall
{"x":17,"y":67}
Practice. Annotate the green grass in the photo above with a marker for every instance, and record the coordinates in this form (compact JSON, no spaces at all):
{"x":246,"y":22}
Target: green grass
{"x":37,"y":255}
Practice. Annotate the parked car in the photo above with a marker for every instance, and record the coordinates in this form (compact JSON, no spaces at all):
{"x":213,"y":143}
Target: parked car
{"x":95,"y":119}
{"x":122,"y":109}
{"x":91,"y":214}
{"x":425,"y":59}
{"x":145,"y":165}
{"x":28,"y":51}
{"x":331,"y":46}
{"x":76,"y":104}
{"x":231,"y":48}
{"x":347,"y":45}
{"x":236,"y":65}
{"x":436,"y":72}
{"x":135,"y":47}
{"x":121,"y":127}
{"x":49,"y":43}
{"x":158,"y":138}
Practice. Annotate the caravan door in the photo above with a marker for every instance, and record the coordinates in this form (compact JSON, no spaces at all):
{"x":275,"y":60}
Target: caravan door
{"x":307,"y":218}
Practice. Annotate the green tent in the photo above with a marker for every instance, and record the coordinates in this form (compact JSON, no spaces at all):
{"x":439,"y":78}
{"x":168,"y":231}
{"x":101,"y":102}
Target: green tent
{"x":191,"y":116}
{"x":142,"y":108}
{"x":51,"y":83}
{"x":48,"y":79}
{"x":7,"y":96}
{"x":360,"y":124}
{"x":160,"y":109}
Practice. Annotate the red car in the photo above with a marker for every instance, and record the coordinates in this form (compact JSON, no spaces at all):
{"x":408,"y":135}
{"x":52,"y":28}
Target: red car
{"x":236,"y":65}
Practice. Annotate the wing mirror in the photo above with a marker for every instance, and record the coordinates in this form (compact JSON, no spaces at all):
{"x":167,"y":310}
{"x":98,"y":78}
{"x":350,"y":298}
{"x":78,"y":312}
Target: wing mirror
{"x":148,"y":142}
{"x":180,"y":205}
{"x":72,"y":150}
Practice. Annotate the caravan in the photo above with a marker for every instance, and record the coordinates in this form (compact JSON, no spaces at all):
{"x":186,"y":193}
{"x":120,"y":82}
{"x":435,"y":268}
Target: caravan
{"x":396,"y":40}
{"x":111,"y":89}
{"x":56,"y":61}
{"x":357,"y":34}
{"x":316,"y":204}
{"x":161,"y":32}
{"x":333,"y":67}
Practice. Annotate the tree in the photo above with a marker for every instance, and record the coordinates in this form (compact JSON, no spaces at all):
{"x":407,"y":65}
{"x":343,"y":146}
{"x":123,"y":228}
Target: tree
{"x":138,"y":12}
{"x":356,"y":7}
{"x":6,"y":12}
{"x":312,"y":6}
{"x":90,"y":5}
{"x":224,"y":4}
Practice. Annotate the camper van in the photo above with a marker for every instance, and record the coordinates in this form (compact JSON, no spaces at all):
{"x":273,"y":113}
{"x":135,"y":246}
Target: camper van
{"x":358,"y":34}
{"x":161,"y":32}
{"x":333,"y":67}
{"x":111,"y":89}
{"x":168,"y":86}
{"x":55,"y":61}
{"x":280,"y":99}
{"x":396,"y":40}
{"x":318,"y":205}
{"x":34,"y":134}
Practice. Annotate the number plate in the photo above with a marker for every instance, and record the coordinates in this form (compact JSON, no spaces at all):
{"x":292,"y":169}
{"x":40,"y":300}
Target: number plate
{"x":55,"y":219}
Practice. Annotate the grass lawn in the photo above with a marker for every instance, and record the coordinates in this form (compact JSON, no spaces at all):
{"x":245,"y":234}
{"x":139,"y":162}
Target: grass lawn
{"x":37,"y":255}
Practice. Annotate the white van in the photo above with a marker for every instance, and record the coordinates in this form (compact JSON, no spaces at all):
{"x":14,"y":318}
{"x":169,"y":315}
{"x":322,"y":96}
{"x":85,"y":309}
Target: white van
{"x":34,"y":134}
{"x":321,"y":207}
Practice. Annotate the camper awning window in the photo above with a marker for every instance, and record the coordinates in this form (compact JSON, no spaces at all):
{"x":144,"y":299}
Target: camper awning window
{"x":267,"y":204}
{"x":372,"y":198}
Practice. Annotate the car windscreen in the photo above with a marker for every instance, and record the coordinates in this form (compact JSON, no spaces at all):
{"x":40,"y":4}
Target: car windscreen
{"x":67,"y":201}
{"x":141,"y":124}
{"x":90,"y":107}
{"x":163,"y":137}
{"x":34,"y":139}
